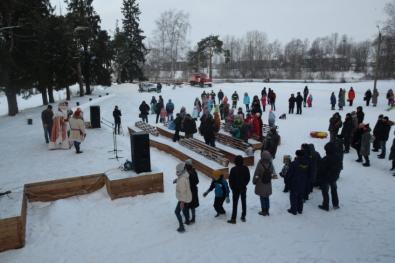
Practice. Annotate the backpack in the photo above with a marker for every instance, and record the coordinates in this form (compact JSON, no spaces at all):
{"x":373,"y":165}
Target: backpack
{"x":267,"y":174}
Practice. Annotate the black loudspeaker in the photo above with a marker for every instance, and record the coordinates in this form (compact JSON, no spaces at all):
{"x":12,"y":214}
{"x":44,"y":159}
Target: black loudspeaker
{"x":95,"y":116}
{"x":139,"y":145}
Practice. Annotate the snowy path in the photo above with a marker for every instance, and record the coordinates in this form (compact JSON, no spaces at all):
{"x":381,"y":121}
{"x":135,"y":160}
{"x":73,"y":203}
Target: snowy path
{"x":92,"y":228}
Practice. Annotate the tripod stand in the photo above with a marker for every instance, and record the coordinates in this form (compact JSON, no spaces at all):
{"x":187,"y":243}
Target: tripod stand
{"x":114,"y":139}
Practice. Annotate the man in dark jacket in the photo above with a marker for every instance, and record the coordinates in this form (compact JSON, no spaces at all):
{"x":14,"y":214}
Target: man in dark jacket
{"x":207,"y":129}
{"x":360,"y":114}
{"x":299,"y":100}
{"x":291,"y":104}
{"x":220,"y":96}
{"x":348,"y":128}
{"x":117,"y":120}
{"x":177,"y":123}
{"x":383,"y":135}
{"x":189,"y":126}
{"x":297,"y":177}
{"x":46,"y":118}
{"x":235,"y":99}
{"x":271,"y":142}
{"x":368,"y":97}
{"x":144,"y":109}
{"x":376,"y":129}
{"x":239,"y":178}
{"x":330,"y":168}
{"x":335,"y":123}
{"x":193,"y":182}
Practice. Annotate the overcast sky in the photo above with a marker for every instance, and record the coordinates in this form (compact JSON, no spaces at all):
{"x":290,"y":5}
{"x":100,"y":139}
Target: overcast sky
{"x":280,"y":19}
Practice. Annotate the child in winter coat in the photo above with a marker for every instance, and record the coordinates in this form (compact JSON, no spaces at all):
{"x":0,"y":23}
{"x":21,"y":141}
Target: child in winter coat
{"x":246,"y":101}
{"x":221,"y":190}
{"x":284,"y":171}
{"x":310,"y":101}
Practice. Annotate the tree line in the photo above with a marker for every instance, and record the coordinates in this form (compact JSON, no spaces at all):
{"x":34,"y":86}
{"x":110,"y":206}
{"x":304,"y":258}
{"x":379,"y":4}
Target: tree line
{"x":43,"y":51}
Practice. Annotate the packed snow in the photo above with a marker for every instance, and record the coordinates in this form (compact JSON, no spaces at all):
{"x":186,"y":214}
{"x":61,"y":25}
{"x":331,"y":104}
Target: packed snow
{"x":92,"y":228}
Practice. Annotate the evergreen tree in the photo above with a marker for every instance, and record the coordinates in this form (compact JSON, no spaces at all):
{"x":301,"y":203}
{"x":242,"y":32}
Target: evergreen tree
{"x":19,"y":23}
{"x":86,"y":26}
{"x":210,"y":45}
{"x":133,"y":50}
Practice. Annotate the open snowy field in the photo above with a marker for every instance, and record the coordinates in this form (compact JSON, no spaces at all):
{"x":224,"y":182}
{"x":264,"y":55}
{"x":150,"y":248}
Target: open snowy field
{"x":92,"y":228}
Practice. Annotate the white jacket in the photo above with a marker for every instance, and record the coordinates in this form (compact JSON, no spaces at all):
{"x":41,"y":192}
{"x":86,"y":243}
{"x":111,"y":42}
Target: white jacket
{"x":183,"y":190}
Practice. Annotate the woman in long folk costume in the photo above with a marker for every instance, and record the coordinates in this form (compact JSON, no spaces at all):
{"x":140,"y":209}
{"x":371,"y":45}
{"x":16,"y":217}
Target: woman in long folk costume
{"x":59,"y":138}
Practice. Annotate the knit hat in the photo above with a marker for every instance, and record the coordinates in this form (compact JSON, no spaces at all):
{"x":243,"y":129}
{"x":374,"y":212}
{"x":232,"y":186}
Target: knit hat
{"x":216,"y":174}
{"x":180,"y":168}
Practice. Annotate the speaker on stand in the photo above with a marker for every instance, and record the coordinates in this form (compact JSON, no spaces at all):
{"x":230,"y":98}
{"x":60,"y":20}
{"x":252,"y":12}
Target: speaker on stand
{"x":95,"y":116}
{"x":140,"y":150}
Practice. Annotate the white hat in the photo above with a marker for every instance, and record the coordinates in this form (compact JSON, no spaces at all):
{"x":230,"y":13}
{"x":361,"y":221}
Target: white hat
{"x":180,"y":168}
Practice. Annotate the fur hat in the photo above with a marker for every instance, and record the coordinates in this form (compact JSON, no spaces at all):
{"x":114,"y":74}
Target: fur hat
{"x":180,"y":168}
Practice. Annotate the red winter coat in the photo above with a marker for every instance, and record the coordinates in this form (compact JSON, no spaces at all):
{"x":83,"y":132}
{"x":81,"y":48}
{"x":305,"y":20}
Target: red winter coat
{"x":263,"y":101}
{"x":257,"y":126}
{"x":351,"y":95}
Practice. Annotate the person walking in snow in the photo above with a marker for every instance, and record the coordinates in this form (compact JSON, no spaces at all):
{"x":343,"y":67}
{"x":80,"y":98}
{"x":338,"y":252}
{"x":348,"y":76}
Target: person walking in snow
{"x":368,"y":97}
{"x":297,"y":178}
{"x":299,"y":101}
{"x":183,"y":195}
{"x":235,"y":99}
{"x":77,"y":130}
{"x":153,"y":104}
{"x":117,"y":120}
{"x":310,"y":101}
{"x":383,"y":135}
{"x":158,"y":107}
{"x":239,"y":178}
{"x":291,"y":104}
{"x":169,"y":110}
{"x":264,"y":101}
{"x":330,"y":168}
{"x":347,"y":131}
{"x":193,"y":183}
{"x":144,"y":109}
{"x":246,"y":101}
{"x":342,"y":99}
{"x":264,"y":172}
{"x":333,"y":101}
{"x":390,"y":97}
{"x":46,"y":118}
{"x":305,"y":95}
{"x":351,"y":96}
{"x":220,"y":96}
{"x":221,"y":192}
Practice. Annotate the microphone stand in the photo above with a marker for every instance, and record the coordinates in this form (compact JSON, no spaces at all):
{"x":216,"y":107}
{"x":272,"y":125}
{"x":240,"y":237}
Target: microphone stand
{"x":114,"y":139}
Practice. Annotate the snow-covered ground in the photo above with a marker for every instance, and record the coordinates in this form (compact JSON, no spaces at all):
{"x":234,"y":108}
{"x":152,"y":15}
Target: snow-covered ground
{"x":92,"y":228}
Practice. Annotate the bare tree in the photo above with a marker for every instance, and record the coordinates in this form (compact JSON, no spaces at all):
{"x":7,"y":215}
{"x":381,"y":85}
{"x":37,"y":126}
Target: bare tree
{"x":170,"y":38}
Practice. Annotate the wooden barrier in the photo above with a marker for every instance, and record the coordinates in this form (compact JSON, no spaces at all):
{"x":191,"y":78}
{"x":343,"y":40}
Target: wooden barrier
{"x":248,"y":160}
{"x":63,"y":188}
{"x":132,"y":186}
{"x":13,"y":229}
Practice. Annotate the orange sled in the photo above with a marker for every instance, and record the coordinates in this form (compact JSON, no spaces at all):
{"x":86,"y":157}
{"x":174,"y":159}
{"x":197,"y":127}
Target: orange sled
{"x":318,"y":134}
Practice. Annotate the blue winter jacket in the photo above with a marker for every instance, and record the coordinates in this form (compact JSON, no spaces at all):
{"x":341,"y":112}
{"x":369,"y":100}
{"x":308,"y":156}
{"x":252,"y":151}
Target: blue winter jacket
{"x":220,"y":187}
{"x":333,"y":99}
{"x":246,"y":100}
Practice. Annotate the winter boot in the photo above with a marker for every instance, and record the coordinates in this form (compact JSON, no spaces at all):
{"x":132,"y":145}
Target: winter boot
{"x":323,"y":208}
{"x":181,"y":229}
{"x":291,"y":212}
{"x":232,"y":221}
{"x":243,"y":219}
{"x":359,"y":160}
{"x":381,"y":156}
{"x":367,"y":163}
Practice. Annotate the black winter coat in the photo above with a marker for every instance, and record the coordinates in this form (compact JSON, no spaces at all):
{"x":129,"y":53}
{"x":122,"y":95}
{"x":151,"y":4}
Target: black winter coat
{"x":360,"y":116}
{"x":299,"y":100}
{"x":193,"y":182}
{"x":348,"y":127}
{"x":144,"y":109}
{"x":383,"y":132}
{"x":298,"y":175}
{"x":117,"y":116}
{"x":330,"y":168}
{"x":291,"y":102}
{"x":189,"y":126}
{"x":239,"y":178}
